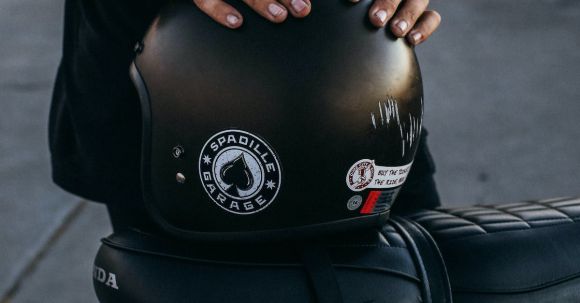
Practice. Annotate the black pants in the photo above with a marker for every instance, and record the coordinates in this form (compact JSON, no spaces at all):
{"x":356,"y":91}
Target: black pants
{"x":419,"y":191}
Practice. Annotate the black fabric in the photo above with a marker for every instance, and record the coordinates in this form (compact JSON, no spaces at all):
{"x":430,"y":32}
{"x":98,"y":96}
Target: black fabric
{"x":94,"y":130}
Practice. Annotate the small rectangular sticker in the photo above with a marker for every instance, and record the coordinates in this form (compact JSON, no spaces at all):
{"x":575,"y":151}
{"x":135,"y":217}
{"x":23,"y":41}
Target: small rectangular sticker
{"x":366,"y":174}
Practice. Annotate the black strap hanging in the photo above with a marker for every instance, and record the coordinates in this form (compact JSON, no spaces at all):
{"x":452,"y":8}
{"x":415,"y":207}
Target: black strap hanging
{"x":321,"y":275}
{"x":436,"y":286}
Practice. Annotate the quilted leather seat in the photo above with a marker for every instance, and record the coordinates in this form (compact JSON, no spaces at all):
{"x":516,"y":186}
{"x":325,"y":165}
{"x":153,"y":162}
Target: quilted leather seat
{"x":521,"y":252}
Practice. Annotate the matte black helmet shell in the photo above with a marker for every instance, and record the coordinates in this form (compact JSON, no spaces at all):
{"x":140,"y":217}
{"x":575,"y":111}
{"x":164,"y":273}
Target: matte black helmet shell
{"x":274,"y":130}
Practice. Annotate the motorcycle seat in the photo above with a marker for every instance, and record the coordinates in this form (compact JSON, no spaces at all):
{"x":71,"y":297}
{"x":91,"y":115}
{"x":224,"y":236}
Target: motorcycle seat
{"x":395,"y":263}
{"x":519,"y":252}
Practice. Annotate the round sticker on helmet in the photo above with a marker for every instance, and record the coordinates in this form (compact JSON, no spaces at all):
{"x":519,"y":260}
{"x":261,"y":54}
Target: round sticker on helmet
{"x":354,"y":202}
{"x":239,"y":171}
{"x":366,"y":174}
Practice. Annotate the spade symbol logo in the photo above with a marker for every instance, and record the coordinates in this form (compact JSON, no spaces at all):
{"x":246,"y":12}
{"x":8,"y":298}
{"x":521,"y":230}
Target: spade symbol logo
{"x":237,"y":174}
{"x":239,"y":171}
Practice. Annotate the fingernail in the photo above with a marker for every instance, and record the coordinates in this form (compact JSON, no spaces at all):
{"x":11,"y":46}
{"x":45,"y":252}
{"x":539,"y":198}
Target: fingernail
{"x":298,"y":5}
{"x":232,"y":20}
{"x":382,"y":15}
{"x":402,"y":25}
{"x":416,"y":37}
{"x":275,"y":10}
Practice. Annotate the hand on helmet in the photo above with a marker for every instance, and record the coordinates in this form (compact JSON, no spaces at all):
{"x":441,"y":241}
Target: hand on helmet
{"x":273,"y":10}
{"x":406,"y":18}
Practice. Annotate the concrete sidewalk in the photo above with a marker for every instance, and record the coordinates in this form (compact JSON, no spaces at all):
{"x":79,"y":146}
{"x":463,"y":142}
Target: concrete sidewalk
{"x":502,"y":91}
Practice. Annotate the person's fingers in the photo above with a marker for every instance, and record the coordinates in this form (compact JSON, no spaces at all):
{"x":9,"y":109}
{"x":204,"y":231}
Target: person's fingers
{"x":298,"y":8}
{"x":221,"y":12}
{"x":425,"y":26}
{"x":407,"y":15}
{"x":382,"y":10}
{"x":269,"y":9}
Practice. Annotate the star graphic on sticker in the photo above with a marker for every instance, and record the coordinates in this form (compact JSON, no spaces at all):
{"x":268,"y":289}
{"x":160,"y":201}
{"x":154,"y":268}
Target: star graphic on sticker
{"x":271,"y":184}
{"x":206,"y":159}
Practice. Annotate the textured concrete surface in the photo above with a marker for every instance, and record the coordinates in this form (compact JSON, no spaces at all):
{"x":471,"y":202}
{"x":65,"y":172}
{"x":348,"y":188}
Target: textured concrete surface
{"x":31,"y":208}
{"x":502,"y":87}
{"x":65,"y":273}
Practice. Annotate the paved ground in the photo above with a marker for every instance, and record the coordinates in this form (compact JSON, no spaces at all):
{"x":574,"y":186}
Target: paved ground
{"x":502,"y":89}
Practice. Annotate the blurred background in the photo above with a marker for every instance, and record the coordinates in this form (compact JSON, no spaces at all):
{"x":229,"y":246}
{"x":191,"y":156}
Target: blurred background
{"x":502,"y":92}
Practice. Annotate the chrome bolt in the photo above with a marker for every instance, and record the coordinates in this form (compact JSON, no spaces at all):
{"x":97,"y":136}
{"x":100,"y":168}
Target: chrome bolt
{"x":180,"y":178}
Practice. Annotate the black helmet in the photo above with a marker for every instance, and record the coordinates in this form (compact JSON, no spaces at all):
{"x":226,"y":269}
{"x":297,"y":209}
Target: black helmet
{"x":272,"y":130}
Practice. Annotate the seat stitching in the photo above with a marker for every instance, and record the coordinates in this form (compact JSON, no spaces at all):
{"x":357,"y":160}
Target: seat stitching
{"x":431,"y":216}
{"x":499,"y":222}
{"x":469,"y":236}
{"x":569,"y":219}
{"x":532,"y":287}
{"x":445,"y":229}
{"x":443,"y":240}
{"x":505,"y":211}
{"x":365,"y":246}
{"x":466,"y":220}
{"x":519,"y":219}
{"x":499,"y":231}
{"x":560,"y":199}
{"x":487,"y":225}
{"x":547,"y":205}
{"x":472,"y":222}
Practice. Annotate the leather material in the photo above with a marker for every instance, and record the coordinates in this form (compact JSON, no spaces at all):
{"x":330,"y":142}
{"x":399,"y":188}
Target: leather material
{"x":510,"y":253}
{"x":436,"y":287}
{"x":368,"y":266}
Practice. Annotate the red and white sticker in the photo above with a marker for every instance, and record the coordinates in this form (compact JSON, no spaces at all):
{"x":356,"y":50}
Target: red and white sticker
{"x":366,"y":174}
